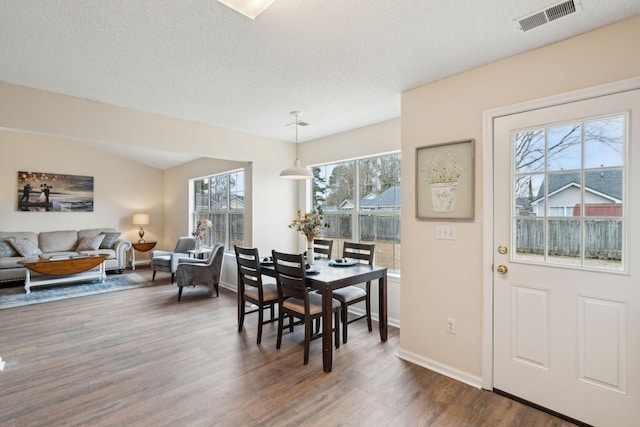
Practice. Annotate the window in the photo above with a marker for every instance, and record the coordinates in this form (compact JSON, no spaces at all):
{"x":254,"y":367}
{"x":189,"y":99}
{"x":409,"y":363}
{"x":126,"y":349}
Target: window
{"x":569,"y":193}
{"x":220,"y":199}
{"x":361,"y":201}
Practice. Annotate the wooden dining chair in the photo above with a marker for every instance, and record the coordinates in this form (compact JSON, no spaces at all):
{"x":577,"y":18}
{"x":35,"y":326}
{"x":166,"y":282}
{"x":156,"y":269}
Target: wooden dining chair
{"x":323,"y":246}
{"x":350,"y":295}
{"x":253,"y":290}
{"x":296,"y":301}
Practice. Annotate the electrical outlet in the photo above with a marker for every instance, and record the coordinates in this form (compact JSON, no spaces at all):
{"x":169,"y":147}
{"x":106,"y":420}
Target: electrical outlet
{"x":451,"y":326}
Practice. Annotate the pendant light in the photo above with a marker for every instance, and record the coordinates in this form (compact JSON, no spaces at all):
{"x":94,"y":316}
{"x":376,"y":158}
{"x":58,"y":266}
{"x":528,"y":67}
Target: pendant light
{"x":296,"y":171}
{"x":249,"y":8}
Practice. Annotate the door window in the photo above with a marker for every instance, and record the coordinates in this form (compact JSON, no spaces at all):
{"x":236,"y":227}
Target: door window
{"x":568,"y":193}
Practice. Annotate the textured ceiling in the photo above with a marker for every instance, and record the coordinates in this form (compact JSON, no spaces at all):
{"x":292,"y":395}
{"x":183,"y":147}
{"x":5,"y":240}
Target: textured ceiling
{"x":344,"y":63}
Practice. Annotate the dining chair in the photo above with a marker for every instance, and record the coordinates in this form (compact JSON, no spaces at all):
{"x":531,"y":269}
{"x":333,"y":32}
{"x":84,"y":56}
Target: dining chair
{"x":195,"y":272}
{"x":253,"y":290}
{"x":297,"y":301}
{"x":323,"y":246}
{"x":168,"y":261}
{"x":350,"y":295}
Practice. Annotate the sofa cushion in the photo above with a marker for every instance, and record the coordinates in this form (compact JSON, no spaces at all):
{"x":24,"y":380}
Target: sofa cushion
{"x":11,"y":262}
{"x":90,"y":243}
{"x":6,"y":249}
{"x":109,"y":240}
{"x":90,"y":232}
{"x":58,"y":241}
{"x":25,"y":247}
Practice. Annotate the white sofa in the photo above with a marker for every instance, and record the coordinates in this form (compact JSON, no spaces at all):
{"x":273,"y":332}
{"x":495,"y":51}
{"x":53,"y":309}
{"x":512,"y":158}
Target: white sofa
{"x":64,"y":242}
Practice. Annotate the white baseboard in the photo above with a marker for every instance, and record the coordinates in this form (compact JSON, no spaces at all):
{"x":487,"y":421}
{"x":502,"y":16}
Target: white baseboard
{"x":440,"y":368}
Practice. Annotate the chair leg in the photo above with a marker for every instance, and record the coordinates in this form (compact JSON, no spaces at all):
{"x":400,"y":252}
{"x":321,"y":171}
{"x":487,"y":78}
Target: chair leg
{"x":260,"y":315}
{"x":153,"y":278}
{"x":307,"y":339}
{"x":179,"y":293}
{"x":241,"y":312}
{"x":280,"y":327}
{"x":172,"y":276}
{"x":337,"y":316}
{"x":345,"y":322}
{"x":215,"y":285}
{"x":368,"y":303}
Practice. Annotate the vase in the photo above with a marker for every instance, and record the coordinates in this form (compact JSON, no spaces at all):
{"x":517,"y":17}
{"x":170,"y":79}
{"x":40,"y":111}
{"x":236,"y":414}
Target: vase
{"x":310,"y":253}
{"x":443,"y":196}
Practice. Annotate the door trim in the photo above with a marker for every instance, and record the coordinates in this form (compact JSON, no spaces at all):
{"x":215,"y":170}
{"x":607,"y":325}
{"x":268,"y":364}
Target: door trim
{"x":487,"y":191}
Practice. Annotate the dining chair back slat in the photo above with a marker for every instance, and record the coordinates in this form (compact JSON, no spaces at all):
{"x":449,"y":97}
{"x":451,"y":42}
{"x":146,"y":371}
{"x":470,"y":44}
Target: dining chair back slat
{"x":359,"y":251}
{"x":353,"y":294}
{"x":297,"y":301}
{"x":323,"y":247}
{"x":252,"y":289}
{"x":291,"y":275}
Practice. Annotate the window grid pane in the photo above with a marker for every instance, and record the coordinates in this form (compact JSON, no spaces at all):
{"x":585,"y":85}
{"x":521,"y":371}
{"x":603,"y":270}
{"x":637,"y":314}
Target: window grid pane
{"x":571,"y":210}
{"x":361,"y":202}
{"x":220,"y":199}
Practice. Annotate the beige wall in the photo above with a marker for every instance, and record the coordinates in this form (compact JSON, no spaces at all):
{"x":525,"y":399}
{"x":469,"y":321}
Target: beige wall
{"x":115,"y":197}
{"x":443,"y":279}
{"x":73,"y":119}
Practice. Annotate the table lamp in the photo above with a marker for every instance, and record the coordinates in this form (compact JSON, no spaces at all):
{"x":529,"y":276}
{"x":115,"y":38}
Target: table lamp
{"x":141,"y":219}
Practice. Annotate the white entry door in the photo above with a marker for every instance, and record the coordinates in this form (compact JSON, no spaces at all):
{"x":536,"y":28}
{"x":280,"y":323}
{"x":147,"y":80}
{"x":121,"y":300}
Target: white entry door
{"x":566,"y":276}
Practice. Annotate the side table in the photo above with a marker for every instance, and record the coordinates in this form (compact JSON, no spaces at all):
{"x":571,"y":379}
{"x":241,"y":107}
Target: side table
{"x":141,"y":247}
{"x":199,"y":253}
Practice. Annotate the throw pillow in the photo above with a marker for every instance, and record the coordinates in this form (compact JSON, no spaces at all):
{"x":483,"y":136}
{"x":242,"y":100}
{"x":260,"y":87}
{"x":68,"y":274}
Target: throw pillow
{"x":109,"y":240}
{"x":90,"y":243}
{"x":25,"y":247}
{"x":6,"y":250}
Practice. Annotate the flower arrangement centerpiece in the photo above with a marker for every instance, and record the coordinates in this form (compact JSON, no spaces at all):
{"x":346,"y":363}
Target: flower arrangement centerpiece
{"x":201,"y":229}
{"x":310,"y":224}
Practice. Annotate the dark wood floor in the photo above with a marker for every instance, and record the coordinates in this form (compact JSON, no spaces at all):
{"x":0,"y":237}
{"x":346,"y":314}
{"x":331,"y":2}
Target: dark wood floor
{"x":140,"y":358}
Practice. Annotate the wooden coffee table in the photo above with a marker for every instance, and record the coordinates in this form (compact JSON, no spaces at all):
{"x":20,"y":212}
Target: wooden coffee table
{"x":65,"y":270}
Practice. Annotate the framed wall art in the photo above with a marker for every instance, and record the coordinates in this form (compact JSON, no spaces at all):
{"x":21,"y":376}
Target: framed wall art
{"x":50,"y":192}
{"x":445,"y":181}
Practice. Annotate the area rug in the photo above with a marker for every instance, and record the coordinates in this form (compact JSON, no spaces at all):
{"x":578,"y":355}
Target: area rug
{"x":17,"y":297}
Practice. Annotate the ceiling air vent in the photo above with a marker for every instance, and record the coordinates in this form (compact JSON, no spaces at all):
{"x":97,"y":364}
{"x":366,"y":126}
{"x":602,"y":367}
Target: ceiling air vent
{"x":547,"y":15}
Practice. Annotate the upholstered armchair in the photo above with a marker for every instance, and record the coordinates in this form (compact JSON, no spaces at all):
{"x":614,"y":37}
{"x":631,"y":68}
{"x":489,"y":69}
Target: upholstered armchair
{"x":168,"y":261}
{"x":192,"y":272}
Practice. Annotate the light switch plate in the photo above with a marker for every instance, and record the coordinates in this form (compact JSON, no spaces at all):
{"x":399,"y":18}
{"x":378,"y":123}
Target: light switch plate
{"x":445,"y":232}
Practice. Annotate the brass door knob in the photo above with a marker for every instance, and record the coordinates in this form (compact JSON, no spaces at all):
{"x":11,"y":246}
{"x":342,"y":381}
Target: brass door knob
{"x":502,"y":269}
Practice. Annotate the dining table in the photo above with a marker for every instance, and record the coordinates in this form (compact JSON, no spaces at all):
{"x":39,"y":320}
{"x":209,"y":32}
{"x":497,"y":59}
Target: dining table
{"x":328,"y":275}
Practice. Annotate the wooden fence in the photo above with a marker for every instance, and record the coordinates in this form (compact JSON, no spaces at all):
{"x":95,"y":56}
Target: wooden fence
{"x":603,"y":238}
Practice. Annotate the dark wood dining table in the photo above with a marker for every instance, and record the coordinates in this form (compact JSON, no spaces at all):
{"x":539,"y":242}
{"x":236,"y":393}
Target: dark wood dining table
{"x":335,"y":277}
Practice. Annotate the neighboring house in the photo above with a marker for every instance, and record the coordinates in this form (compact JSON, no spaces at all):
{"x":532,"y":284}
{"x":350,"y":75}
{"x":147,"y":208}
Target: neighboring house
{"x":388,"y":200}
{"x":602,"y":195}
{"x":235,"y":201}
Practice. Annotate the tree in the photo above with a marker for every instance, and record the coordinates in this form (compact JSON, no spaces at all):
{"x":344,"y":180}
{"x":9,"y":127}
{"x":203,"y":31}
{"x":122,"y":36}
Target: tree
{"x":318,"y":188}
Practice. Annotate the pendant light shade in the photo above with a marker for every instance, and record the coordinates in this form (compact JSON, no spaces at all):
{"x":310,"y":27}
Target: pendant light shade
{"x":249,"y":8}
{"x":296,"y":171}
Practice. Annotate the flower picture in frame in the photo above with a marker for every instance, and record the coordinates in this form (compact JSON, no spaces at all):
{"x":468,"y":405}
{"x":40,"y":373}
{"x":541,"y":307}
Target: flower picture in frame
{"x":445,"y":180}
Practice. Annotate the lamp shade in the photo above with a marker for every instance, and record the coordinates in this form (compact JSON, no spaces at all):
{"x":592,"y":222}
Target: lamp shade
{"x":140,"y":219}
{"x":249,"y":8}
{"x":296,"y":172}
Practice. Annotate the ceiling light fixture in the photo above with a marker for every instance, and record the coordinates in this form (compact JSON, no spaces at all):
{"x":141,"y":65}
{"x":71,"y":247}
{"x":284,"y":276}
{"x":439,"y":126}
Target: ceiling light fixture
{"x":296,"y":171}
{"x":249,"y":8}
